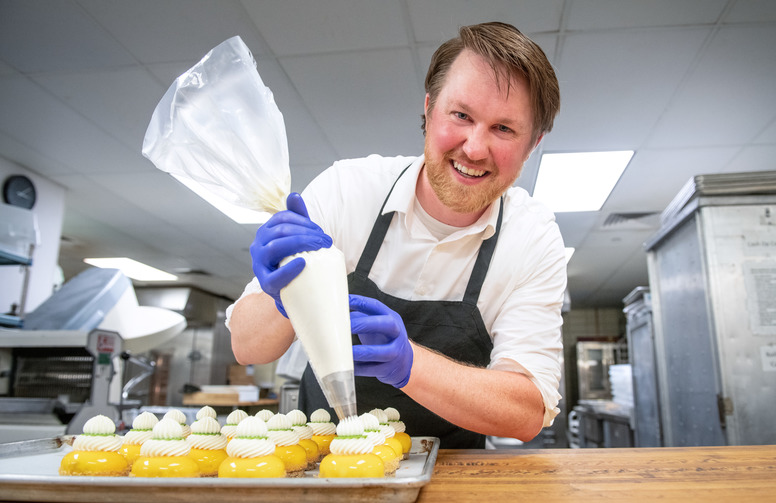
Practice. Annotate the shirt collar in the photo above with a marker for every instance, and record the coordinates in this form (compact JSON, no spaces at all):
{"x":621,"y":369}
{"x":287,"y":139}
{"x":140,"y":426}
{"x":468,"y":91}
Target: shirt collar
{"x":402,"y":200}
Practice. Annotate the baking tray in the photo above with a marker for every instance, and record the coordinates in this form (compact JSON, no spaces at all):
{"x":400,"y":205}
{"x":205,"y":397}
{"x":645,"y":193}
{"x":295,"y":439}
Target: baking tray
{"x":29,"y":472}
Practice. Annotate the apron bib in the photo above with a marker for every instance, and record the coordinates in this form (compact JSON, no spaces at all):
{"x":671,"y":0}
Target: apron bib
{"x":454,"y":328}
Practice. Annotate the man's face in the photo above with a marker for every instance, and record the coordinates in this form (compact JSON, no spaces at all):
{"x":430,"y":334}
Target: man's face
{"x":478,"y":136}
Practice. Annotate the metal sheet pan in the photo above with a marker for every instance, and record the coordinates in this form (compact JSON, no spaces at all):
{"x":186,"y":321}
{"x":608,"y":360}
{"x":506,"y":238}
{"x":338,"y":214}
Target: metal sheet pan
{"x":29,"y":472}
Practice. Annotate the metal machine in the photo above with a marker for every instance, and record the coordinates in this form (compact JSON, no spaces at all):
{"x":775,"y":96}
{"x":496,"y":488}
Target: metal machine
{"x":712,"y":275}
{"x":641,"y":352}
{"x":58,"y":370}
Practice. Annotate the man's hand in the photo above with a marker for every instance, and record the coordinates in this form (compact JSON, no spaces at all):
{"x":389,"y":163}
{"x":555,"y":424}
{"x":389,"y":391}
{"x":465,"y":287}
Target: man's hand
{"x":285,"y":233}
{"x":385,"y":351}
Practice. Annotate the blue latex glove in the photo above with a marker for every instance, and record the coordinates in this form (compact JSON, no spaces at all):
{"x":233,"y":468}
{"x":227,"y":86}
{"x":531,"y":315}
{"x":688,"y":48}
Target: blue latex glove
{"x":385,"y":351}
{"x":285,"y":233}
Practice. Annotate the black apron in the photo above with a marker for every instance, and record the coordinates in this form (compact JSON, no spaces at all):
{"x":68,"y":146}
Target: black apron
{"x":454,"y":328}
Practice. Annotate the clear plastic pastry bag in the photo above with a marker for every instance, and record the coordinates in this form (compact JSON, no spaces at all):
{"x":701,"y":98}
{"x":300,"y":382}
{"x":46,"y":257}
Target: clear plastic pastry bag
{"x":219,"y":126}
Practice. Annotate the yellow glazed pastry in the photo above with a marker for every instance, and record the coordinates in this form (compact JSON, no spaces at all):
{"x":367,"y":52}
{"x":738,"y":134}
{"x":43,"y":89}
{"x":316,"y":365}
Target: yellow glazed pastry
{"x":351,"y":453}
{"x":287,"y":446}
{"x":387,"y":430}
{"x":386,"y":452}
{"x":166,"y":454}
{"x":229,"y":430}
{"x":208,"y":445}
{"x":251,"y":453}
{"x":96,"y":451}
{"x":394,"y":420}
{"x":180,"y":418}
{"x":324,"y":430}
{"x":142,"y":430}
{"x":299,"y":424}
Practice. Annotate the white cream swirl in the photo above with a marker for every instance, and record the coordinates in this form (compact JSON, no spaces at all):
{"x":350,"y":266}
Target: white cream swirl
{"x":145,"y":421}
{"x":206,"y":411}
{"x":394,"y":419}
{"x":89,"y":442}
{"x":372,"y":428}
{"x":320,"y":416}
{"x":206,"y":434}
{"x":142,"y":427}
{"x":232,"y":420}
{"x":137,"y":437}
{"x":98,"y":435}
{"x":265,"y":414}
{"x":180,"y":418}
{"x":350,"y":438}
{"x":280,"y":430}
{"x":99,"y":425}
{"x":296,"y":417}
{"x":167,"y":440}
{"x":320,"y":422}
{"x":299,"y":424}
{"x":251,"y":440}
{"x":391,"y":414}
{"x":385,"y":428}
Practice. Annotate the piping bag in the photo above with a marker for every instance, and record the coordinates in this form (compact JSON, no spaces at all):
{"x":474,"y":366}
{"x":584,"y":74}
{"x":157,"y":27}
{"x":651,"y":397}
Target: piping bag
{"x":218,"y":126}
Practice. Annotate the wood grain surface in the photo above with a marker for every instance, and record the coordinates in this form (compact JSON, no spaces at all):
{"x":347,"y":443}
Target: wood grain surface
{"x":728,"y":474}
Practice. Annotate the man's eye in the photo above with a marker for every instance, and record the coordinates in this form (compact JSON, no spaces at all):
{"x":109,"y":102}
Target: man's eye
{"x":503,"y":129}
{"x":461,"y":115}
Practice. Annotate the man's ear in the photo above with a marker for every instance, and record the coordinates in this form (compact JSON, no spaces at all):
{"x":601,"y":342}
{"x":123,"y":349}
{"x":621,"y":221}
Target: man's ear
{"x":538,"y":141}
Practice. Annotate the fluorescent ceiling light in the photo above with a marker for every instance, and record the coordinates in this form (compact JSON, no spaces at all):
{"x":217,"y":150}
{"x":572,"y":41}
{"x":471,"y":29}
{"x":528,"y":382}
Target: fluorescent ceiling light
{"x":579,"y":181}
{"x":132,"y":268}
{"x":237,"y":213}
{"x":569,"y":253}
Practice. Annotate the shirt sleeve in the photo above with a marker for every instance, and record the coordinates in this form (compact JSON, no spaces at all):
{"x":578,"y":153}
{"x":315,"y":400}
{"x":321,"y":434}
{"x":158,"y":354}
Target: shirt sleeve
{"x":527,"y":325}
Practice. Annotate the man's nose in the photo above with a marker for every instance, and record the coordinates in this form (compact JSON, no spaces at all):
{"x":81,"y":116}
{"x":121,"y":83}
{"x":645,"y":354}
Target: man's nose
{"x":476,"y":144}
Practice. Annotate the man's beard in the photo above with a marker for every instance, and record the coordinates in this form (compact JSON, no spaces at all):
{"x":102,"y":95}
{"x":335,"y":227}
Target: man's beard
{"x":459,"y":197}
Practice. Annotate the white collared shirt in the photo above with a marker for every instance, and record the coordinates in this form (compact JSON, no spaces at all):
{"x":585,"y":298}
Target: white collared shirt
{"x":522,"y":294}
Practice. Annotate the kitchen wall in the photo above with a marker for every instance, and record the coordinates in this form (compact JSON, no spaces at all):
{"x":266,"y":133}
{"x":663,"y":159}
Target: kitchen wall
{"x":49,"y":211}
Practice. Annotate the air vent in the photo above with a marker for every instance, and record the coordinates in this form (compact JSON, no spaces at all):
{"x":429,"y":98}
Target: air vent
{"x":631,"y":221}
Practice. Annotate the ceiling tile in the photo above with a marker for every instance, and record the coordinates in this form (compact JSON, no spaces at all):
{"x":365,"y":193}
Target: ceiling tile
{"x":32,"y":116}
{"x":334,"y":25}
{"x":435,"y":25}
{"x":752,"y":11}
{"x":25,"y":155}
{"x":54,"y":35}
{"x":173,"y":30}
{"x":654,"y":177}
{"x":306,"y":141}
{"x":609,"y":14}
{"x":120,"y":102}
{"x":575,"y":226}
{"x":754,"y":158}
{"x":729,"y":98}
{"x":610,"y":96}
{"x":344,"y":92}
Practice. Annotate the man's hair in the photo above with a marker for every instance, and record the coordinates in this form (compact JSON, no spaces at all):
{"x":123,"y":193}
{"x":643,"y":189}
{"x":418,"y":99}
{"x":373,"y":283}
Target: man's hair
{"x":509,"y":53}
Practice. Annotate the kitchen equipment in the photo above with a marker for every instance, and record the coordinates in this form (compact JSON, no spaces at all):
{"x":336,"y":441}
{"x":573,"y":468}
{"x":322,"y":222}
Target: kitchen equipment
{"x":641,"y":352}
{"x":712,"y":271}
{"x":18,"y":238}
{"x":593,"y":361}
{"x":70,"y":348}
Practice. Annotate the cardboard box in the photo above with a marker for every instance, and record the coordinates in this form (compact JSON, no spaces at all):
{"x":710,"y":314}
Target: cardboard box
{"x":241,"y":375}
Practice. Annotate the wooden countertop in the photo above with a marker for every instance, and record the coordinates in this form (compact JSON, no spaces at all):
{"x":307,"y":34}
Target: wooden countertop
{"x":710,"y":474}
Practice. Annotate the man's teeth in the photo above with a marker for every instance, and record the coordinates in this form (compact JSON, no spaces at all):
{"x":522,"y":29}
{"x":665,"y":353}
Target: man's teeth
{"x":467,"y":171}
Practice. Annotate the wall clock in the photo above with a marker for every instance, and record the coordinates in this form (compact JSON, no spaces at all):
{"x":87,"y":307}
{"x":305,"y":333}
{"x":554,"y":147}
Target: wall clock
{"x":18,"y":190}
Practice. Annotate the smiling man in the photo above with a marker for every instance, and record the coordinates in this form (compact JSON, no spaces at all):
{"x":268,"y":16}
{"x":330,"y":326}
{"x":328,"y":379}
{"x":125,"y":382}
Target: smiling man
{"x":456,"y":277}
